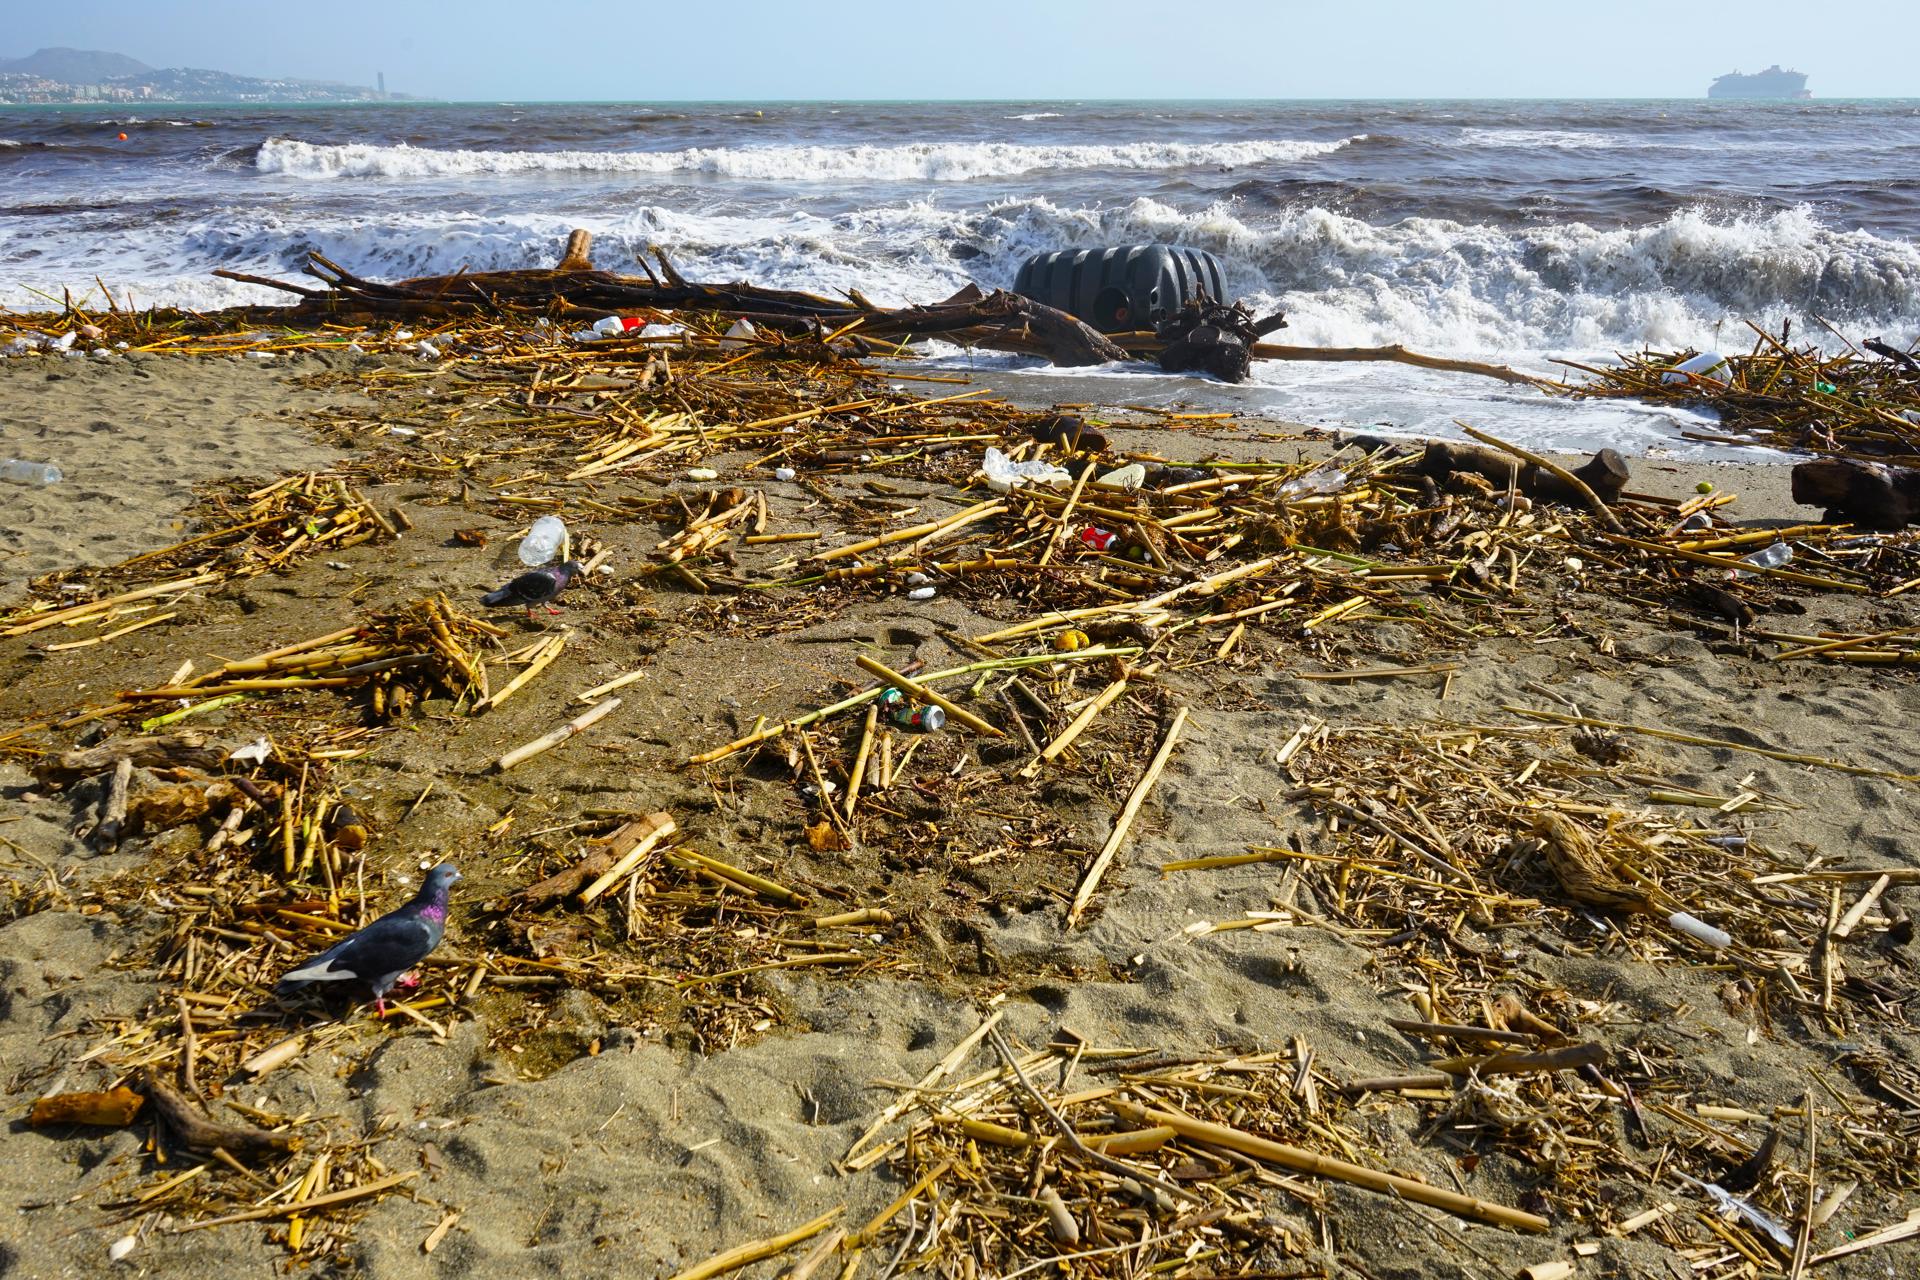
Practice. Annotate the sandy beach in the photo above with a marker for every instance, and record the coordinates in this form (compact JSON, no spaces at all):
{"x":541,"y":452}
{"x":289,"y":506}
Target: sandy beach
{"x":567,"y":1122}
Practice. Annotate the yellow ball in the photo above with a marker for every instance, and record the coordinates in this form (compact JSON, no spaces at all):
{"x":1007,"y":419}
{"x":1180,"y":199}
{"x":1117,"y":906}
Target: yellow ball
{"x":1705,"y":486}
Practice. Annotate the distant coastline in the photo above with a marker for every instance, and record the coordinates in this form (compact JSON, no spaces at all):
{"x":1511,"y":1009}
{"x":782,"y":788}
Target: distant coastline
{"x":89,"y":77}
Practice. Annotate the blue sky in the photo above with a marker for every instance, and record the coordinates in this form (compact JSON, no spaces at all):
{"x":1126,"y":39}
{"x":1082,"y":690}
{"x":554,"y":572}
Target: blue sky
{"x":757,"y":50}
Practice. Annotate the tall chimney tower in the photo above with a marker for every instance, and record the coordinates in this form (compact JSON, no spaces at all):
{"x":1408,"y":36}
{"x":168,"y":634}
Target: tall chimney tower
{"x":380,"y":80}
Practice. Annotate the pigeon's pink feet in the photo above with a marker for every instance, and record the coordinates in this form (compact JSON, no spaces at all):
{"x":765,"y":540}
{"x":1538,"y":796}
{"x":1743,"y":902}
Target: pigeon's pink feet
{"x":380,"y":1006}
{"x":551,"y":609}
{"x":407,"y":981}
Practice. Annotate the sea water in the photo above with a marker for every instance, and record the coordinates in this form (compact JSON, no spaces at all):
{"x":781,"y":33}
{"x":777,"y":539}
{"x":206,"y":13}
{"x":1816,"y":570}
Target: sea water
{"x":1520,"y":232}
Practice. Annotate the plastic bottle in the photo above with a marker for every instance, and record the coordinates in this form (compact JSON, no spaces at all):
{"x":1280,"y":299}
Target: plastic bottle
{"x":608,"y":326}
{"x":1709,"y":365}
{"x":21,"y":471}
{"x":1768,"y":558}
{"x":543,"y":541}
{"x":1328,"y":477}
{"x":739,"y":334}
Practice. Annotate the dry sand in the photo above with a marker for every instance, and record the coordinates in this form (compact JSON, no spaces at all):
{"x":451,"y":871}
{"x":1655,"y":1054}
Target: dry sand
{"x":649,"y":1154}
{"x":133,"y":443}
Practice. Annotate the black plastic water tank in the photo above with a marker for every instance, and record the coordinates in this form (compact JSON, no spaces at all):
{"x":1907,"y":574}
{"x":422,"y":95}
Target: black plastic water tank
{"x":1126,"y":287}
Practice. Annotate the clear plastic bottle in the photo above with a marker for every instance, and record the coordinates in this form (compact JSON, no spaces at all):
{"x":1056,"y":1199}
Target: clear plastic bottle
{"x":1767,"y":558}
{"x":1328,"y":477}
{"x":608,"y":326}
{"x":21,"y":471}
{"x":543,"y":541}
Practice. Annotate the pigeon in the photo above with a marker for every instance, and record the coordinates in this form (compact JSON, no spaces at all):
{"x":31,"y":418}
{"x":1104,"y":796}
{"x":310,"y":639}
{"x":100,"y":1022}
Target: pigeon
{"x":537,"y":587}
{"x":379,"y":955}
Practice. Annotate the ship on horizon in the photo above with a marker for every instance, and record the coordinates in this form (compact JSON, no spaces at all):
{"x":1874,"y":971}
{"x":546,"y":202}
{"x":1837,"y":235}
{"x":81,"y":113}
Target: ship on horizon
{"x":1771,"y":83}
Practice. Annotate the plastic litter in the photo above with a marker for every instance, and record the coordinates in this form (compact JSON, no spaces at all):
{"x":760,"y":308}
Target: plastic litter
{"x":1768,"y":558}
{"x":900,"y":712}
{"x":255,"y":752}
{"x":1005,"y":475}
{"x":543,"y":541}
{"x":607,"y":326}
{"x":1709,"y":365}
{"x":702,"y":473}
{"x":1328,"y":477}
{"x":1129,"y":477}
{"x":784,"y":473}
{"x":21,"y":471}
{"x":1699,"y":929}
{"x":922,"y":593}
{"x":739,"y":334}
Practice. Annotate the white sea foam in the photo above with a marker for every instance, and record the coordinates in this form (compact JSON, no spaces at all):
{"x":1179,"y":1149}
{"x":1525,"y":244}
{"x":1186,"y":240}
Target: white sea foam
{"x":919,"y":161}
{"x":1036,"y":115}
{"x":1519,"y":294}
{"x":1559,"y":138}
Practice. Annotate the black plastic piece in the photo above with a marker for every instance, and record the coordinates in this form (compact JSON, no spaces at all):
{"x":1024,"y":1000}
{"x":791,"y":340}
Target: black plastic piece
{"x":1122,"y":288}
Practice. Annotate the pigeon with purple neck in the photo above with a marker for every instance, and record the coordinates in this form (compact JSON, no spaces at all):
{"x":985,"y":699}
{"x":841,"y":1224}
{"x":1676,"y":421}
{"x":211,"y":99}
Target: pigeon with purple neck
{"x":541,"y":586}
{"x":379,"y":956}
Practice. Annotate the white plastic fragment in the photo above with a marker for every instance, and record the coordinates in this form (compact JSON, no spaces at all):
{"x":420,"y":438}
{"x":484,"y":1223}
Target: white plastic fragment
{"x":1694,"y":927}
{"x":1005,"y":475}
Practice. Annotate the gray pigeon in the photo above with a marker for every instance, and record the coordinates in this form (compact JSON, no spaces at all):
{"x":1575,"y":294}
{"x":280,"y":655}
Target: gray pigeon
{"x":378,"y":955}
{"x":537,"y":587}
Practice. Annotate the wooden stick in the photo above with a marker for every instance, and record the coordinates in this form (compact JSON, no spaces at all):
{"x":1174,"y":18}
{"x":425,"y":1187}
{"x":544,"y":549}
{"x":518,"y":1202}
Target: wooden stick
{"x":1692,"y":740}
{"x":917,"y":690}
{"x":1303,"y":1161}
{"x":548,"y":741}
{"x":860,"y":758}
{"x":741,"y":1255}
{"x":1718,"y":562}
{"x":332,"y":1198}
{"x":602,"y":690}
{"x":1124,"y":823}
{"x":646,"y":835}
{"x":540,"y":663}
{"x":979,"y":511}
{"x":96,"y":606}
{"x":113,"y":810}
{"x":1075,"y":729}
{"x":1858,"y":911}
{"x":1558,"y":472}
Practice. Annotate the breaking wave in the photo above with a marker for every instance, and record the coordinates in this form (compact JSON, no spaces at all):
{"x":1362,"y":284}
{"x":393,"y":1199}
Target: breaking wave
{"x":921,"y":161}
{"x":1517,"y":291}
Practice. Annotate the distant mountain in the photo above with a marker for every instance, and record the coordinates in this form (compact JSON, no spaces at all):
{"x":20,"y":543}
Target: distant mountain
{"x":75,"y":66}
{"x":85,"y":75}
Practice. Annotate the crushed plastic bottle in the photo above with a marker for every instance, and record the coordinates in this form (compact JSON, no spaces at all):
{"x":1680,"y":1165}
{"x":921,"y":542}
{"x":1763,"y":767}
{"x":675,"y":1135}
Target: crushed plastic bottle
{"x":610,"y":326}
{"x":543,"y":541}
{"x":1328,"y":477}
{"x":1767,"y":558}
{"x":21,"y":471}
{"x":1005,"y":475}
{"x":739,"y":334}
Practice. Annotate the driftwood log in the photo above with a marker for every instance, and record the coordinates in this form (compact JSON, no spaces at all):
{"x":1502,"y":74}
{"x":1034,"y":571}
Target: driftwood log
{"x":576,"y":290}
{"x":1605,"y":473}
{"x":1213,"y":337}
{"x":1873,"y":495}
{"x":193,"y":1128}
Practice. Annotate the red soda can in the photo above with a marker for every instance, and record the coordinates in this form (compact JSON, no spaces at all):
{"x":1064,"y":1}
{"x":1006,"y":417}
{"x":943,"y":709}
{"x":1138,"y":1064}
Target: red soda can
{"x":1099,"y":539}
